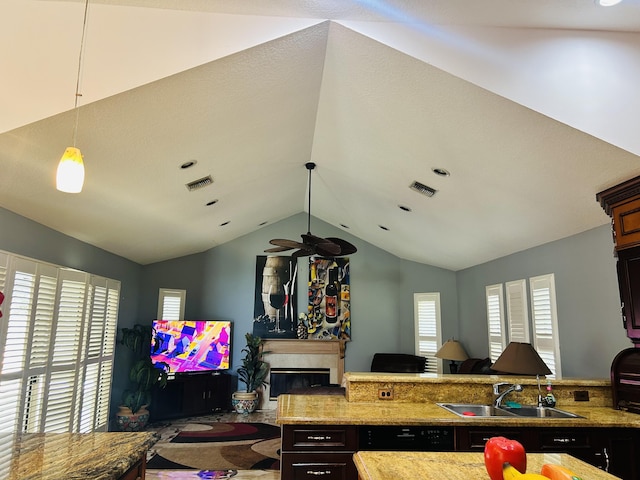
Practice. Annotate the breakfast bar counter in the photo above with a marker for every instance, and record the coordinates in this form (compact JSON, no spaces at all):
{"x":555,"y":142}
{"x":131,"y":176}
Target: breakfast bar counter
{"x":95,"y":456}
{"x":455,"y":466}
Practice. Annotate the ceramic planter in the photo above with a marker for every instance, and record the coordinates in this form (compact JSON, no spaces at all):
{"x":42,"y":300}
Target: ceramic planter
{"x":245,"y":402}
{"x":132,"y":422}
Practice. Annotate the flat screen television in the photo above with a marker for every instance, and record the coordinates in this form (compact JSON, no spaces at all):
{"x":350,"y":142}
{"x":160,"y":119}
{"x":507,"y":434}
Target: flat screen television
{"x":192,"y":346}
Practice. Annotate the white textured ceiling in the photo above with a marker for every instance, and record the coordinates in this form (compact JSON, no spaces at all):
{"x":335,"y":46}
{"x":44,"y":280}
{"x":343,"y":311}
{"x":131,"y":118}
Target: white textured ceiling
{"x":531,"y":105}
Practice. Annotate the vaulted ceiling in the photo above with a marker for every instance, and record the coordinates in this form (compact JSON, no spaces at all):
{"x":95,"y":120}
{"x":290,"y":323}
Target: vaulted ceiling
{"x":530,"y":105}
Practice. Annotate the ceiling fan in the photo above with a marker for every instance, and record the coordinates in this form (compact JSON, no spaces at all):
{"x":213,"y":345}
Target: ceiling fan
{"x":312,"y":245}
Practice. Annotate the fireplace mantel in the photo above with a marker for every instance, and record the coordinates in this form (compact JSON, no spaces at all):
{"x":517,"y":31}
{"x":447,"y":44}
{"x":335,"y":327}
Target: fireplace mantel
{"x":290,"y":353}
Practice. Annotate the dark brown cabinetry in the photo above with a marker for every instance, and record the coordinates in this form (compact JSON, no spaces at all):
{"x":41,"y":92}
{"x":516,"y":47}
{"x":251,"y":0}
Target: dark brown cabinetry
{"x":192,"y":395}
{"x":622,"y":203}
{"x":310,"y":451}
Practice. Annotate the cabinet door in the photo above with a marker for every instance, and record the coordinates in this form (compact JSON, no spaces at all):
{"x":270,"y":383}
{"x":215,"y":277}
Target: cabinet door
{"x":328,"y":466}
{"x":629,"y":283}
{"x":626,"y":223}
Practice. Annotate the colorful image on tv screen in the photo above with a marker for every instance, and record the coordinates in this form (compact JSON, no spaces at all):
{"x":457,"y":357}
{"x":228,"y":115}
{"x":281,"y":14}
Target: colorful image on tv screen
{"x":192,"y":345}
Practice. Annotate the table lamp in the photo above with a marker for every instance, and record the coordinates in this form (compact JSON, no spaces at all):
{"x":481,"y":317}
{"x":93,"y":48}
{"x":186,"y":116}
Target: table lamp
{"x":522,"y":359}
{"x":454,"y":351}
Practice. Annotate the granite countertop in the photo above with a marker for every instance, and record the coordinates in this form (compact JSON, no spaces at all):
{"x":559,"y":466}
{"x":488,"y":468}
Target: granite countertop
{"x":455,"y":465}
{"x":72,"y":456}
{"x":336,"y":410}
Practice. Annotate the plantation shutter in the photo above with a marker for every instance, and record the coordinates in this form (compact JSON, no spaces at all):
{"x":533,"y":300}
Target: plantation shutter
{"x":495,"y":320}
{"x":427,"y":327}
{"x":545,"y":322}
{"x":517,"y":311}
{"x":171,"y":304}
{"x":57,"y":340}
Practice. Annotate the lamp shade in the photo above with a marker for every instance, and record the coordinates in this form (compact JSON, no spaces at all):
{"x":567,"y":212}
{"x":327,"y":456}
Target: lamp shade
{"x":452,"y":350}
{"x":70,"y":176}
{"x":520,"y":358}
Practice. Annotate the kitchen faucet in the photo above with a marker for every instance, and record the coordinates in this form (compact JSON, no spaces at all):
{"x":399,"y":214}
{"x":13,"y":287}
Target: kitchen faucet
{"x":516,"y":387}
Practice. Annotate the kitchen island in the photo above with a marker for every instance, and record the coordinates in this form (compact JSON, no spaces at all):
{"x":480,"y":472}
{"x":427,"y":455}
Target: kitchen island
{"x":455,"y":466}
{"x":75,"y":456}
{"x":321,"y":433}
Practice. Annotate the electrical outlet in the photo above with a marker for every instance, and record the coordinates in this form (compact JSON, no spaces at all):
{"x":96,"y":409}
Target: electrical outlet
{"x":581,"y":396}
{"x":385,"y":393}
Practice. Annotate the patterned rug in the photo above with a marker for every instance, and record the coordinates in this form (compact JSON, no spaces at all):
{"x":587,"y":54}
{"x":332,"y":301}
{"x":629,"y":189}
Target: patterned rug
{"x":218,"y":447}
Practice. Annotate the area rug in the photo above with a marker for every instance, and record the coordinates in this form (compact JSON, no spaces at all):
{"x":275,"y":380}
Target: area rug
{"x":220,"y":447}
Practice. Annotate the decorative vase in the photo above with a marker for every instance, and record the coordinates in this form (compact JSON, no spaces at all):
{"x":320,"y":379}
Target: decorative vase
{"x":132,"y":422}
{"x":245,"y":402}
{"x":303,"y":331}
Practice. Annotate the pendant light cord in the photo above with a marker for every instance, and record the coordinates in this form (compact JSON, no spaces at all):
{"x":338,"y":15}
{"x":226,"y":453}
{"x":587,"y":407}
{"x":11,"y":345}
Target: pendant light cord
{"x":309,"y":216}
{"x":78,"y":94}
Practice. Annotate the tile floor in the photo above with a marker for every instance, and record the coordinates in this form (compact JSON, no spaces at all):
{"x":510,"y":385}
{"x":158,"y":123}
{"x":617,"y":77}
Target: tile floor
{"x":168,"y":430}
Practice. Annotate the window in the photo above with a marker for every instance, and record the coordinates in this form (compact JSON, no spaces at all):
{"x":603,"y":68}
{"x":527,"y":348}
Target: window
{"x":545,"y":322}
{"x":495,"y":321}
{"x":426,"y":308}
{"x":171,"y":304}
{"x":57,"y":342}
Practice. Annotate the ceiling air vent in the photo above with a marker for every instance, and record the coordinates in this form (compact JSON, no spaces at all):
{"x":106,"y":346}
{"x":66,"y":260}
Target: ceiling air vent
{"x":201,"y":182}
{"x":423,"y":189}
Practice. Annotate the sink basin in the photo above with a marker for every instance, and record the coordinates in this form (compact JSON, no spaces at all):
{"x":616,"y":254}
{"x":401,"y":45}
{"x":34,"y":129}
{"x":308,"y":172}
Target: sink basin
{"x":540,"y":412}
{"x":529,"y":411}
{"x":475,"y":410}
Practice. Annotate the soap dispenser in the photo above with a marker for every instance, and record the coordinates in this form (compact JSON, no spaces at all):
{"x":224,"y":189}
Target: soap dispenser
{"x":549,"y":400}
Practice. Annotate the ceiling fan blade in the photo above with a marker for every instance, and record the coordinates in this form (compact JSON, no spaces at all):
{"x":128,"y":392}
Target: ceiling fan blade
{"x":346,"y":248}
{"x":303,"y":252}
{"x":328,"y":246}
{"x":278,"y":249}
{"x":283,"y":242}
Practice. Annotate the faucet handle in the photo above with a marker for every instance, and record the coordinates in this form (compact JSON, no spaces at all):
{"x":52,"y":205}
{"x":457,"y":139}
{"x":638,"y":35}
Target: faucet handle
{"x":496,"y":387}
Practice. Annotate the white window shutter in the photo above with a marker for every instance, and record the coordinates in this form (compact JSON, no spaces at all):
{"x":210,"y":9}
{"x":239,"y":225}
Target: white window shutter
{"x":545,"y":322}
{"x":495,"y":320}
{"x":517,"y":311}
{"x":171,"y":304}
{"x":427,"y":327}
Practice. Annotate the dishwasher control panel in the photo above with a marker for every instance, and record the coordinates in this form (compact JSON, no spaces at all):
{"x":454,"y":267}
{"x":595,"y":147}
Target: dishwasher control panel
{"x":406,"y":438}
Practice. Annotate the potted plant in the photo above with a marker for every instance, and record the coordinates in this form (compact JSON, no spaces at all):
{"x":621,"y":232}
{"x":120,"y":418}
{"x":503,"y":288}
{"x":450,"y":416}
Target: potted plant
{"x":144,"y":375}
{"x":253,"y":373}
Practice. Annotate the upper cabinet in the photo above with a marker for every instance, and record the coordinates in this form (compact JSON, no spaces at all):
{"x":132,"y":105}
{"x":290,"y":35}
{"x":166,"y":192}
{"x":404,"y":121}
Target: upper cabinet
{"x":622,"y":203}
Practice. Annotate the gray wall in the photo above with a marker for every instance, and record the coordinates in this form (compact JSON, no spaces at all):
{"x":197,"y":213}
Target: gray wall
{"x":220,"y":284}
{"x":588,"y":303}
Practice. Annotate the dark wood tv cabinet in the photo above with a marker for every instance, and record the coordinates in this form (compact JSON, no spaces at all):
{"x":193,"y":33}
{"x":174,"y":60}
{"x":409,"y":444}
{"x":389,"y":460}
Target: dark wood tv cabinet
{"x":194,"y":394}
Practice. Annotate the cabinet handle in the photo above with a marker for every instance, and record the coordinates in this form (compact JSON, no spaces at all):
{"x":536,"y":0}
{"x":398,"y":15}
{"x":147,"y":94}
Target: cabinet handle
{"x":319,"y":437}
{"x":606,"y":459}
{"x":318,"y":472}
{"x":563,"y":440}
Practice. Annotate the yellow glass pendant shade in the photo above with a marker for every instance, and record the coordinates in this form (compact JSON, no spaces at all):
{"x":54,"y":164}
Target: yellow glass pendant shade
{"x":70,"y":176}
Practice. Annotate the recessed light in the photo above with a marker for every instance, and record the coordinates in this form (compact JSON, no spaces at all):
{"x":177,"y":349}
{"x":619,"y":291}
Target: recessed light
{"x":404,"y":208}
{"x":383,"y":228}
{"x":188,"y":164}
{"x":441,"y":171}
{"x":225,"y":223}
{"x":608,"y":3}
{"x":212,"y":202}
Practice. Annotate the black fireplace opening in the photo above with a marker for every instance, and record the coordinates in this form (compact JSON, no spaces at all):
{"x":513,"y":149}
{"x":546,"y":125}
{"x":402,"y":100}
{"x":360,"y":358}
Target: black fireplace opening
{"x":284,"y":380}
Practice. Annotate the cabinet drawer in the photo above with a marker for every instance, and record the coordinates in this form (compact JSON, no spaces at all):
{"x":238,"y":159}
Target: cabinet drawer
{"x":565,"y":439}
{"x":626,"y":223}
{"x":473,"y":439}
{"x":319,"y":438}
{"x":327,"y":466}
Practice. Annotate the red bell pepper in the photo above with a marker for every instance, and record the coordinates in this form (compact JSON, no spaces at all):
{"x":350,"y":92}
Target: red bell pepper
{"x":499,"y":450}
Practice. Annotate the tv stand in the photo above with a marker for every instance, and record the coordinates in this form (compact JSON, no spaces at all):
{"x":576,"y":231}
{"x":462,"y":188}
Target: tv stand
{"x":191,"y":395}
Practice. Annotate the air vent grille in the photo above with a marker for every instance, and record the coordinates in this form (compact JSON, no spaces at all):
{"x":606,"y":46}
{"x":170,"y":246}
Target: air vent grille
{"x":423,"y":189}
{"x":200,"y":183}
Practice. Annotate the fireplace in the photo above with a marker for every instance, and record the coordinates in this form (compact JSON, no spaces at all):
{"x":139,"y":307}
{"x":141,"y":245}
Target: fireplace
{"x":284,"y":380}
{"x":299,"y":355}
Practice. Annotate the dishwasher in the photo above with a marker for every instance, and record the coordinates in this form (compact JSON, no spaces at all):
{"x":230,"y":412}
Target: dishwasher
{"x":406,"y":438}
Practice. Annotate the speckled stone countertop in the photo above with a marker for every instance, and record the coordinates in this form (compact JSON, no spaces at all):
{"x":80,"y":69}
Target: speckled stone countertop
{"x":72,"y":456}
{"x":455,"y":466}
{"x":336,"y":410}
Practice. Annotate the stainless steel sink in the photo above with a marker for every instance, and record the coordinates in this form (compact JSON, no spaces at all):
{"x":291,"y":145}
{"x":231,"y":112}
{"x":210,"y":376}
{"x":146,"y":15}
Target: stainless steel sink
{"x":529,"y":411}
{"x":539,"y":412}
{"x":475,"y":410}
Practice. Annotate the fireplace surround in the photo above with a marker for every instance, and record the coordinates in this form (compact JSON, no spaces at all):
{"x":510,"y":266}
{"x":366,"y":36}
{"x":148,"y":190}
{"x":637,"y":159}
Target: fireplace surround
{"x":294,"y":354}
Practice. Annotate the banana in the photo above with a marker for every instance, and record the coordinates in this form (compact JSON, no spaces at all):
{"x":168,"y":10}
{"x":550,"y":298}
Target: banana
{"x":511,"y":473}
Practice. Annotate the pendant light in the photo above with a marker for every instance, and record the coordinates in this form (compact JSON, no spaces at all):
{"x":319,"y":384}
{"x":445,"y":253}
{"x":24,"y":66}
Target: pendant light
{"x":70,"y":175}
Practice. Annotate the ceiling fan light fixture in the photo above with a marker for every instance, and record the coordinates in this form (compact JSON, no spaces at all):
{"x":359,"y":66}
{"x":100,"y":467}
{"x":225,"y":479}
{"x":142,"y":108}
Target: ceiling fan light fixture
{"x":312,"y":245}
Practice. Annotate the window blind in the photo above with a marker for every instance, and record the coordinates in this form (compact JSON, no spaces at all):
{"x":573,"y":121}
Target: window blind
{"x":427,"y":328}
{"x":495,"y":320}
{"x":517,"y":311}
{"x":545,"y":322}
